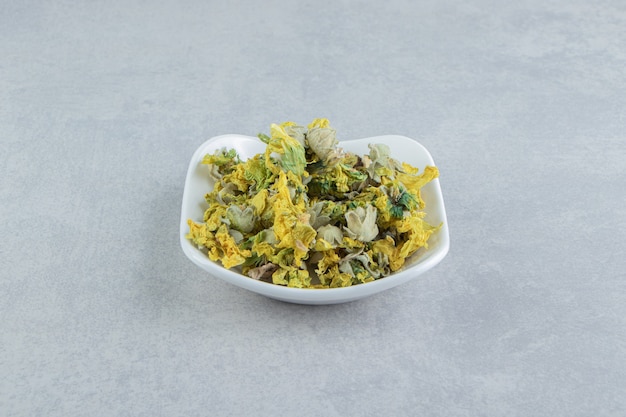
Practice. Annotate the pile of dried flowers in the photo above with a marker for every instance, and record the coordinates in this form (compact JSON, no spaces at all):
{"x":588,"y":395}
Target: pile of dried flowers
{"x":307,"y":214}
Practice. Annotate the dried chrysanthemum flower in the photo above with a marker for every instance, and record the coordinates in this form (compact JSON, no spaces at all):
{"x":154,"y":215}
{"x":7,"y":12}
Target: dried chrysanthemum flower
{"x":331,"y":234}
{"x":322,"y":141}
{"x":318,"y":219}
{"x":240,"y":219}
{"x":379,"y":162}
{"x":361,"y":223}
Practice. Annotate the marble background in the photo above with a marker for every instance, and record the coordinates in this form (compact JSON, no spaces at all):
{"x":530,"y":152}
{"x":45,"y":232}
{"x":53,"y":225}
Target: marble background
{"x":522,"y":105}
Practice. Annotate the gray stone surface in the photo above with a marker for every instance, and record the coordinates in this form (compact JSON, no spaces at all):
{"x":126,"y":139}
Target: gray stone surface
{"x":521,"y":103}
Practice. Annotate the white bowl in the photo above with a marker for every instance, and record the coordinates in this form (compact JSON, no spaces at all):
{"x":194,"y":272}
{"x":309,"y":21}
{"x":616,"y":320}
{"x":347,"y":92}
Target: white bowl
{"x":402,"y":148}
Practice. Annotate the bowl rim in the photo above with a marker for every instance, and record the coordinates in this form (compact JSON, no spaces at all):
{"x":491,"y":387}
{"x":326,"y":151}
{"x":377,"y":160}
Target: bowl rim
{"x":311,"y":295}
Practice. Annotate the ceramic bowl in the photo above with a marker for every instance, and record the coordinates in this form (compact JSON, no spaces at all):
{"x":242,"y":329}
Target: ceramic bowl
{"x":402,"y":148}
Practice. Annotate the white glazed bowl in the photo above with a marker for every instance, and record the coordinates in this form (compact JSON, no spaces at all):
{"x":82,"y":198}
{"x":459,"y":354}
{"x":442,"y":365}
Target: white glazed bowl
{"x":402,"y":148}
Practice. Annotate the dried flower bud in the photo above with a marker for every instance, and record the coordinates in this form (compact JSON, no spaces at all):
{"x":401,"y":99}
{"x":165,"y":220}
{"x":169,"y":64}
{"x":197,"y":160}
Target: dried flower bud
{"x":331,"y":234}
{"x":322,"y":141}
{"x":379,"y":162}
{"x":362,"y":223}
{"x":241,"y":220}
{"x":317,"y":219}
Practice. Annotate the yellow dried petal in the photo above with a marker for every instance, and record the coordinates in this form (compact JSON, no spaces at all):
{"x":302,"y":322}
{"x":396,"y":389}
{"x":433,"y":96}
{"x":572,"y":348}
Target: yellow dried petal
{"x":350,"y":243}
{"x":280,"y":277}
{"x":319,"y":123}
{"x":322,"y":245}
{"x":330,"y":258}
{"x":292,"y":277}
{"x":238,"y":178}
{"x":338,"y":279}
{"x":416,"y":233}
{"x":409,"y":169}
{"x":299,"y":279}
{"x":263,"y":249}
{"x":233,"y":256}
{"x":385,"y":246}
{"x":303,"y":236}
{"x":413,"y":183}
{"x":199,"y":234}
{"x":213,"y":216}
{"x":259,"y":202}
